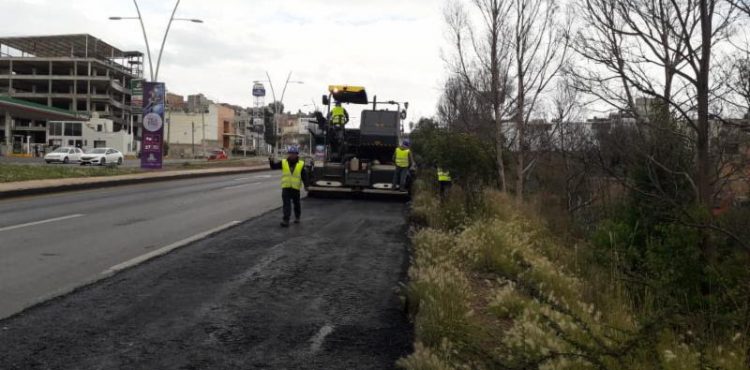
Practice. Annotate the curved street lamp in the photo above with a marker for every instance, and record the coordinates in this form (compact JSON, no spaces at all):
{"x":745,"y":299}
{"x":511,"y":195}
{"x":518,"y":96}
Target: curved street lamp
{"x":155,"y":77}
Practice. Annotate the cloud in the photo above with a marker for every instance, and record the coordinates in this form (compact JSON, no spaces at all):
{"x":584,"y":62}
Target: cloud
{"x":390,"y":46}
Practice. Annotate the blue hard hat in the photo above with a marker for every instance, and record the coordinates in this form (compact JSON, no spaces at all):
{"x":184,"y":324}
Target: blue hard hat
{"x":407,"y":142}
{"x":293,"y":150}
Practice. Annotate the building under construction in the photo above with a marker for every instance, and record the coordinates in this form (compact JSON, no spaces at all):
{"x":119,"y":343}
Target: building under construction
{"x":77,"y":73}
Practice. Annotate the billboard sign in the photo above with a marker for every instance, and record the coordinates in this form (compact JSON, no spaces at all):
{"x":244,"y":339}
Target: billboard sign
{"x":259,"y":90}
{"x":153,"y":125}
{"x":136,"y":97}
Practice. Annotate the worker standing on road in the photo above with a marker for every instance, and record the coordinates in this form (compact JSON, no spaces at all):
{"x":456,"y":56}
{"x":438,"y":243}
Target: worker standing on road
{"x":293,"y":177}
{"x":403,"y":160}
{"x":444,"y":180}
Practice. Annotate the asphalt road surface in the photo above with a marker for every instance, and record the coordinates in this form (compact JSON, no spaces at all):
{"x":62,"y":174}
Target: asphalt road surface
{"x":51,"y":244}
{"x":320,"y":295}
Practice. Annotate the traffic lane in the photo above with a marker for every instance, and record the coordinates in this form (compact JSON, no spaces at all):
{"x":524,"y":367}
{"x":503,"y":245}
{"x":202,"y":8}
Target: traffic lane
{"x":35,"y":208}
{"x":320,"y":295}
{"x":39,"y":262}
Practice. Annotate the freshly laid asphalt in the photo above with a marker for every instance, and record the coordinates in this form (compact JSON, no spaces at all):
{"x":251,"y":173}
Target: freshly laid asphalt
{"x":320,"y":295}
{"x":53,"y":243}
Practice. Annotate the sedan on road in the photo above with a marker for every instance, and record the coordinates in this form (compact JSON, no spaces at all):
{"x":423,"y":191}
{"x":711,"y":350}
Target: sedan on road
{"x":102,"y":156}
{"x":64,"y":155}
{"x":218,"y":155}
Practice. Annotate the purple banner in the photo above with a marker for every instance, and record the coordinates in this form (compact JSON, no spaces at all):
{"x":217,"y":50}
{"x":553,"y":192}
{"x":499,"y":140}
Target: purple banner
{"x":153,"y":125}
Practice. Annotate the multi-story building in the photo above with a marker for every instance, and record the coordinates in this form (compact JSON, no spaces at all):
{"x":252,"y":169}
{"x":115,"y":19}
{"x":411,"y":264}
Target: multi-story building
{"x":195,"y":132}
{"x":250,"y":130}
{"x":176,"y":102}
{"x":77,"y":73}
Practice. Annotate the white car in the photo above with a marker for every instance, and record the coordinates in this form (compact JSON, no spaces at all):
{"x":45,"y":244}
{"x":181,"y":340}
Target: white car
{"x":64,"y":155}
{"x":101,"y":156}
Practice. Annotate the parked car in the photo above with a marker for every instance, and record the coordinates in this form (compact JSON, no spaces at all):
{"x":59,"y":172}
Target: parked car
{"x":102,"y":156}
{"x":217,"y":155}
{"x":64,"y":155}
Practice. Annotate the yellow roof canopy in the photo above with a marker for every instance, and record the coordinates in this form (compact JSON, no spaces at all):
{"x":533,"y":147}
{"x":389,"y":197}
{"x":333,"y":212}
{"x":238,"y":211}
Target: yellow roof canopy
{"x":348,"y":94}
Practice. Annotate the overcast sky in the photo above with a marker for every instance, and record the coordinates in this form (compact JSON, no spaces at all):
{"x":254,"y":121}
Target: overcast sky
{"x":390,"y":46}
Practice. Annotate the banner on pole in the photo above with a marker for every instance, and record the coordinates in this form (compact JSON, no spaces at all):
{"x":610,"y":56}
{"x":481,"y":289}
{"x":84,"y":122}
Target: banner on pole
{"x":153,"y":125}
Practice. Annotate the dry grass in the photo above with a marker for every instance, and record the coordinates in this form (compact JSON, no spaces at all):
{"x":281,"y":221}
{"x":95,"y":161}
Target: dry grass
{"x":491,"y":289}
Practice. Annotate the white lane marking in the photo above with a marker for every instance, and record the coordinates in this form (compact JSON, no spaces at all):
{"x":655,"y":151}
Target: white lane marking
{"x":164,"y":250}
{"x":243,"y":178}
{"x":317,"y":340}
{"x":68,"y":217}
{"x":240,"y":186}
{"x":263,"y":176}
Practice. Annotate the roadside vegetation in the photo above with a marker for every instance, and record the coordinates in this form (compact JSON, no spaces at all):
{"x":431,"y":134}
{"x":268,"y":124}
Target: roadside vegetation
{"x":13,"y":173}
{"x":20,"y":172}
{"x":492,"y":287}
{"x":575,"y":242}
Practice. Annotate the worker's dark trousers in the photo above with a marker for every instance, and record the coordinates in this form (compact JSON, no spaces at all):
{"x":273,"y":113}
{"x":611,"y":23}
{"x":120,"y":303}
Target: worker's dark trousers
{"x":445,"y":187}
{"x":400,"y":176}
{"x":289,"y":196}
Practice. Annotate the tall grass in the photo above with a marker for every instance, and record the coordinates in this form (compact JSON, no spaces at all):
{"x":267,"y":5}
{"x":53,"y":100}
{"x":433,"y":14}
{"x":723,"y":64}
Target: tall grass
{"x":491,"y":288}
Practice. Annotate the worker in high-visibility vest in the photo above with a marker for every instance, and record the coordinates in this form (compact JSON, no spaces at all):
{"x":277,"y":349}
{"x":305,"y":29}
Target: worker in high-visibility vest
{"x":404,"y":161}
{"x":293,"y":178}
{"x":444,"y":180}
{"x":337,"y":119}
{"x":339,"y":115}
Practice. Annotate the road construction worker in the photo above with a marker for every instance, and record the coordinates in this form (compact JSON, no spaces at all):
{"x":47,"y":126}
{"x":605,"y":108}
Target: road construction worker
{"x":293,"y":177}
{"x":403,"y":160}
{"x":338,"y":118}
{"x":444,"y":180}
{"x":339,"y":115}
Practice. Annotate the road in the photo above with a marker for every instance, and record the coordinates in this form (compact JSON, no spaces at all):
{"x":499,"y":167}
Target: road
{"x":50,"y":244}
{"x":320,"y":295}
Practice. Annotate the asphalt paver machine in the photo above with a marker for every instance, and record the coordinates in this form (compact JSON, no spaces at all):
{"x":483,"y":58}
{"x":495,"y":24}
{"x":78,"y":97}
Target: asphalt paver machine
{"x":357,"y":160}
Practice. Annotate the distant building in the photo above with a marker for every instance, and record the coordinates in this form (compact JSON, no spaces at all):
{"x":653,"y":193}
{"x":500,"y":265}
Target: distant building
{"x":195,"y":132}
{"x":251,"y":133}
{"x":176,"y":102}
{"x":77,"y":73}
{"x":197,"y":102}
{"x":96,"y":133}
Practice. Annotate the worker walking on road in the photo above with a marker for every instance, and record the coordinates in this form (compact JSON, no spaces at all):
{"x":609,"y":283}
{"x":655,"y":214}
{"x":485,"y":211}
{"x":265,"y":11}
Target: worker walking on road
{"x":404,"y":161}
{"x":444,"y":180}
{"x":293,"y":177}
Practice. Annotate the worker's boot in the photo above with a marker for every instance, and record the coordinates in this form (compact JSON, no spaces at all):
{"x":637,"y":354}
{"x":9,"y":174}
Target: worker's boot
{"x":285,"y":223}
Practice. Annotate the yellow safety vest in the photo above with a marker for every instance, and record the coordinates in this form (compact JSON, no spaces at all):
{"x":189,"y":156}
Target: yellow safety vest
{"x":402,"y":157}
{"x":338,"y":117}
{"x":444,"y":176}
{"x":289,"y":179}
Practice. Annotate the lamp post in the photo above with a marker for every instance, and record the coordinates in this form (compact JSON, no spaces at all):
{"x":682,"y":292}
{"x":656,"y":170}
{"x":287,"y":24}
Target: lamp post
{"x":155,"y":76}
{"x":276,"y":105}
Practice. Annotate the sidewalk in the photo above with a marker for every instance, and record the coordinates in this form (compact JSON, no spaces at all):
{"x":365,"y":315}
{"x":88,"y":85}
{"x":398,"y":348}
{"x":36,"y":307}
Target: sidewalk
{"x":22,"y":188}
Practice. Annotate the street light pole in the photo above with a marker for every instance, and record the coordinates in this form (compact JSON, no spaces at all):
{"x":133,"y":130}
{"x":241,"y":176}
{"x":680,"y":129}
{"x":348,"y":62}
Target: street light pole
{"x":145,"y":38}
{"x":276,"y":106}
{"x":155,"y":76}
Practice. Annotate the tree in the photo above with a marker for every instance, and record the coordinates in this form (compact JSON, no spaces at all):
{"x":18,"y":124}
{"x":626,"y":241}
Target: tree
{"x":481,"y":61}
{"x":660,"y":49}
{"x":507,"y":61}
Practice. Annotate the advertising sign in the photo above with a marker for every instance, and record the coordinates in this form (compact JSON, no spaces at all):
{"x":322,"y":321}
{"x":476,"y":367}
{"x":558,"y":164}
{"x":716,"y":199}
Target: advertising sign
{"x":136,"y":97}
{"x":153,"y":125}
{"x":259,"y":90}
